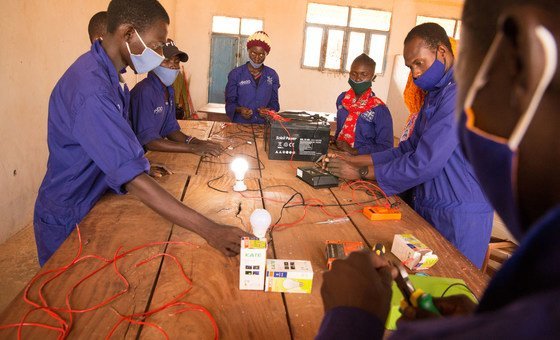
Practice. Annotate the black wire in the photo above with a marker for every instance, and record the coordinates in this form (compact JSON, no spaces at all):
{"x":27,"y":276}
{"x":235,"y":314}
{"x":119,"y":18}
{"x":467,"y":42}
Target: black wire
{"x":459,"y":284}
{"x":213,"y":188}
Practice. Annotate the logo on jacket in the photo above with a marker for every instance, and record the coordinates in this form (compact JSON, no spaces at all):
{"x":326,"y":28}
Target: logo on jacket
{"x":158,"y":110}
{"x":269,"y":80}
{"x":244,"y":82}
{"x":369,"y":116}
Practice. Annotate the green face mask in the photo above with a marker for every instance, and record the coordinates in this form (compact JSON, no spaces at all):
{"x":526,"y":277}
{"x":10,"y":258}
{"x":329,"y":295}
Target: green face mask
{"x":359,"y":88}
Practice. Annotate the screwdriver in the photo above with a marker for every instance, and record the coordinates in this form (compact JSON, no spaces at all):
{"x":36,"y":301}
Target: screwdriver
{"x":412,"y":296}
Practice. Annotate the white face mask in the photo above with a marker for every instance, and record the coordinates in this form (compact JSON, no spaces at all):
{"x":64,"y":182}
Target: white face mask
{"x":147,"y":60}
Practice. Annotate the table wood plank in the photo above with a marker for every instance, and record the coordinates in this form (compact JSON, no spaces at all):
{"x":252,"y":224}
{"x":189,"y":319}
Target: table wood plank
{"x":114,"y":222}
{"x":239,"y":314}
{"x":305,"y":241}
{"x":451,"y":262}
{"x":241,"y":142}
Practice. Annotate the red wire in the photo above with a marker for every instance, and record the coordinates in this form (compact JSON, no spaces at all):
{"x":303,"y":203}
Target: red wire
{"x":65,"y":326}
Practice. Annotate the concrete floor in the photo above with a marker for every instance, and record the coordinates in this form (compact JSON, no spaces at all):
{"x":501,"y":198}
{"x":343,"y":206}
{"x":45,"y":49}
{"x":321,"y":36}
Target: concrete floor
{"x":18,"y":264}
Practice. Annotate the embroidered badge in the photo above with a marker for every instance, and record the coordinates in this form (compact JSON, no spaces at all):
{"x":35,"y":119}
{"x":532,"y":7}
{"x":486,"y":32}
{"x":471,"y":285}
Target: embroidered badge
{"x":368,"y":116}
{"x":244,"y":82}
{"x":269,"y":80}
{"x":158,"y":110}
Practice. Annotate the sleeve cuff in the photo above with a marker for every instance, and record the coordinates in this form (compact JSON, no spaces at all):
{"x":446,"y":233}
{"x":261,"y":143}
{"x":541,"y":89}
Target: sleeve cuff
{"x":350,"y":323}
{"x":126,"y":173}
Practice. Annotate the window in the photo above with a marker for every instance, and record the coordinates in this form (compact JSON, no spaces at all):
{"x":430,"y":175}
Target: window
{"x":335,"y":35}
{"x":451,"y":26}
{"x":237,"y":26}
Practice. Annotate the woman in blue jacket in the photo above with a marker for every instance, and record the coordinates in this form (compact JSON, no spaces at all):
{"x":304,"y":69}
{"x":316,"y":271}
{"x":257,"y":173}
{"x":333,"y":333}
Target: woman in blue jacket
{"x":363,"y":122}
{"x":252,"y":88}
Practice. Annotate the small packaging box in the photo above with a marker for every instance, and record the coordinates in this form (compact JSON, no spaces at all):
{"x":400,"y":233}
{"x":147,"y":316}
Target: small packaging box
{"x":288,"y":276}
{"x":252,"y":262}
{"x":340,"y":249}
{"x":413,"y":254}
{"x":379,"y":213}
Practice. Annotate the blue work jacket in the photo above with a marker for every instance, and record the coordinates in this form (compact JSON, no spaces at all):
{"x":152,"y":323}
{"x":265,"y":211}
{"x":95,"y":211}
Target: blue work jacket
{"x":242,"y":90}
{"x":92,"y":147}
{"x":374,"y":128}
{"x":152,"y":116}
{"x":446,"y":192}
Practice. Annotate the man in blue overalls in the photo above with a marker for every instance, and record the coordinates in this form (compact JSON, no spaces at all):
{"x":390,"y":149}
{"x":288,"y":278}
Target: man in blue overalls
{"x":446,"y":192}
{"x":92,"y":146}
{"x":509,"y":87}
{"x":153,"y":110}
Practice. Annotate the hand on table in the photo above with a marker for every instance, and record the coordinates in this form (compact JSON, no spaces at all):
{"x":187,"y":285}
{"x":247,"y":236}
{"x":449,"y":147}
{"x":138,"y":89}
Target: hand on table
{"x":455,"y":305}
{"x":245,"y":112}
{"x":159,"y":170}
{"x":341,"y":166}
{"x":226,"y":239}
{"x":362,"y":280}
{"x":203,"y":148}
{"x":263,"y":111}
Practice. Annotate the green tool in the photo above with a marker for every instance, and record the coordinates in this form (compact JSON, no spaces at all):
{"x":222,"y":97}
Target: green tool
{"x":412,"y":296}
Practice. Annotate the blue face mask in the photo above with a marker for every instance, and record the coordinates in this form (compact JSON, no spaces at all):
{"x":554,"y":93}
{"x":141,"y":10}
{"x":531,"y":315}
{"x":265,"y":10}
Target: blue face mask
{"x":494,"y":158}
{"x":147,"y":60}
{"x":166,"y":75}
{"x":431,"y":77}
{"x":255,"y":65}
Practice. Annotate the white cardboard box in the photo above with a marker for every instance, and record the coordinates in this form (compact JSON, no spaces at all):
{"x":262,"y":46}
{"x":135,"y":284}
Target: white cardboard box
{"x":252,"y":262}
{"x":289,"y":276}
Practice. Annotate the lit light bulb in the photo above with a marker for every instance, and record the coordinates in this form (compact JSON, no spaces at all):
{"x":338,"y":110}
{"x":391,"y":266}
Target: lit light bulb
{"x":239,"y":166}
{"x":260,"y":221}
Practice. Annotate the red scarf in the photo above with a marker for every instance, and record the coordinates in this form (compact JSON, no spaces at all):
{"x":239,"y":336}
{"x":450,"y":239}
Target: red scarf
{"x":355,"y":107}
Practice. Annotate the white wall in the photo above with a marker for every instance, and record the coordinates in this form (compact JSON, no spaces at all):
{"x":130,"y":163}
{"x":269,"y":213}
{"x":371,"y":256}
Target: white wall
{"x":43,"y":37}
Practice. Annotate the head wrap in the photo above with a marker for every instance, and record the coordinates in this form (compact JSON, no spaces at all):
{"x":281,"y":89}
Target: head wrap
{"x":261,"y":39}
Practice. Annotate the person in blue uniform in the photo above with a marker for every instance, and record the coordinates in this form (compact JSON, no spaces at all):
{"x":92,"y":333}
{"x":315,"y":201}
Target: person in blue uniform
{"x":97,"y":26}
{"x":252,"y":88}
{"x":363,"y":122}
{"x":508,"y":83}
{"x":153,"y":110}
{"x":91,"y":143}
{"x":446,"y":191}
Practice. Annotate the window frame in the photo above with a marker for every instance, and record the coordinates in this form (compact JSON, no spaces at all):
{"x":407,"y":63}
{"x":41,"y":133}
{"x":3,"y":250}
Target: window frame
{"x":456,"y":20}
{"x":345,"y":42}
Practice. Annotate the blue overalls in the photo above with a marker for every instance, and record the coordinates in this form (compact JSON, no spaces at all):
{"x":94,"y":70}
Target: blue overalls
{"x":446,"y":192}
{"x":153,"y":117}
{"x":92,"y":148}
{"x":242,"y":90}
{"x":374,"y":128}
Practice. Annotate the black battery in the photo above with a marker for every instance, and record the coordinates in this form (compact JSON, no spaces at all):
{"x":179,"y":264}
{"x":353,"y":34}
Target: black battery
{"x":304,"y":135}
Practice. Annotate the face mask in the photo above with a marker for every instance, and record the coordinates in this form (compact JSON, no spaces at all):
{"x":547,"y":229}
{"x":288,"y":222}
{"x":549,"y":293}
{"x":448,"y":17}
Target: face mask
{"x":495,"y":159}
{"x":360,"y":87}
{"x":429,"y":79}
{"x":166,"y":75}
{"x":255,"y":65}
{"x":147,"y":60}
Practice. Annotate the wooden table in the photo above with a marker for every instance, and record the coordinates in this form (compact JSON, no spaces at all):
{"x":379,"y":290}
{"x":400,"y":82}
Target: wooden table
{"x":123,"y":221}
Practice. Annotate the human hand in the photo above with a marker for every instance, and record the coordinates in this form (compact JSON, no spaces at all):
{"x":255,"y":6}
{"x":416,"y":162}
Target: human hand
{"x":226,"y":239}
{"x":344,"y":146}
{"x":263,"y":111}
{"x":455,"y":305}
{"x":203,"y":148}
{"x":245,"y":112}
{"x":159,"y":170}
{"x":340,"y":166}
{"x":363,"y":280}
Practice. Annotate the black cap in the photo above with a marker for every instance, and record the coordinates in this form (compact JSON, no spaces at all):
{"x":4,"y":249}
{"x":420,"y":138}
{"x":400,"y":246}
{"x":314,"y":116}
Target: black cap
{"x":170,"y":50}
